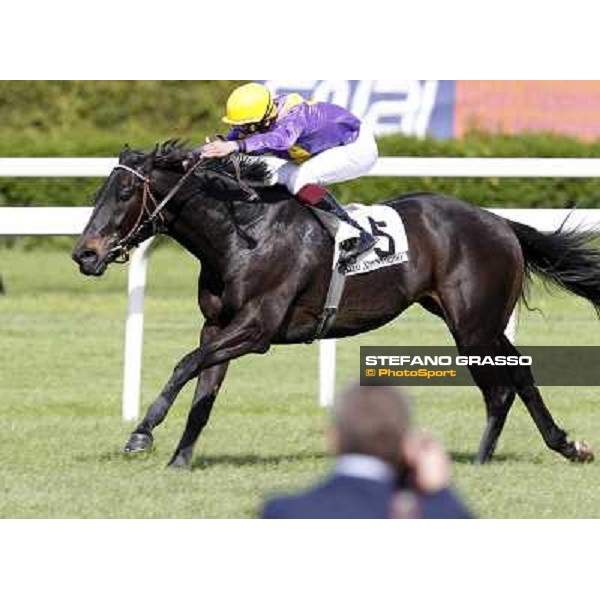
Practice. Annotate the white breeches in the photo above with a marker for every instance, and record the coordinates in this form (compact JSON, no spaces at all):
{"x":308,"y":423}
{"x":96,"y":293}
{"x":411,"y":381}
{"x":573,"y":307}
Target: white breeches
{"x":336,"y":165}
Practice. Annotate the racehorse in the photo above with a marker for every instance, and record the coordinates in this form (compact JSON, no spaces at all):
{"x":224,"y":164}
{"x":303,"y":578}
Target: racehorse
{"x":266,"y":266}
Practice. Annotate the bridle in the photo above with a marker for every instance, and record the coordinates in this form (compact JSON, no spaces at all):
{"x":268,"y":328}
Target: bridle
{"x":151,"y":209}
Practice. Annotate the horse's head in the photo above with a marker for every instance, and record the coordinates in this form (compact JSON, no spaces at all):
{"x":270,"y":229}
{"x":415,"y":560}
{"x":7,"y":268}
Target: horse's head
{"x":132,"y":203}
{"x":122,"y":206}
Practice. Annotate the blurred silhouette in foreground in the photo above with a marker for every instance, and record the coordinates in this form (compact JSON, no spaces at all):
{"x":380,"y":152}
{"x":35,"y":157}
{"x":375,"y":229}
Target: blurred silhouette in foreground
{"x":383,"y":469}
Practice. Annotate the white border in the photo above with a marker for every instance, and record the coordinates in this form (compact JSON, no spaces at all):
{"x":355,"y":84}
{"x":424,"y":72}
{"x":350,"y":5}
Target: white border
{"x":303,"y":560}
{"x":193,"y":40}
{"x":241,"y":39}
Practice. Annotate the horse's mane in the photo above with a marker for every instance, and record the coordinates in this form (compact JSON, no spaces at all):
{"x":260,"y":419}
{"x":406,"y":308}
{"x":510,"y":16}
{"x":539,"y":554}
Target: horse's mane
{"x":252,"y":170}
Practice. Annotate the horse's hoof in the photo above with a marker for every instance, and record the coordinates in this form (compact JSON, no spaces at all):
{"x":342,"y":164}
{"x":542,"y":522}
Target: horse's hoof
{"x":138,"y":443}
{"x":180,"y":463}
{"x":583,"y":453}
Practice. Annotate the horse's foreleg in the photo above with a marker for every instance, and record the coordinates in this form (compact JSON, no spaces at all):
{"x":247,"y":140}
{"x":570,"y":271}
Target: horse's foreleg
{"x":250,"y":332}
{"x":141,"y":439}
{"x":209,"y":384}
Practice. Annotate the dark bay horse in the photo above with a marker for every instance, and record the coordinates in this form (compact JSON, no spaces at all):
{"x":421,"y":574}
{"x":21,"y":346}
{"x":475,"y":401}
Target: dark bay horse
{"x":266,"y":266}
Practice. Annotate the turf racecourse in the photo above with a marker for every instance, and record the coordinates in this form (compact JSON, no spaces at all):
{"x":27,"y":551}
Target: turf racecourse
{"x":61,"y":342}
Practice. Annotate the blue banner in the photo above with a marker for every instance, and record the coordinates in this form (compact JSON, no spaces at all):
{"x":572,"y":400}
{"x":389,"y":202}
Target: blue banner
{"x":412,"y":107}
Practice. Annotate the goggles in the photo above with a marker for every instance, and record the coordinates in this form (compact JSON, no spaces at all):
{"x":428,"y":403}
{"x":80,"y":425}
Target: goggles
{"x":264,"y":124}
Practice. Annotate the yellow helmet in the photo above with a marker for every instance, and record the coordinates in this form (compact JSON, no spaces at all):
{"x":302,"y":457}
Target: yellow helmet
{"x":248,"y":104}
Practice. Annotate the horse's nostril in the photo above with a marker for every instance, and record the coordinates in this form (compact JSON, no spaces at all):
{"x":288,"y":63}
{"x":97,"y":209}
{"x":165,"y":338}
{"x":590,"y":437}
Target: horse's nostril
{"x":86,"y":255}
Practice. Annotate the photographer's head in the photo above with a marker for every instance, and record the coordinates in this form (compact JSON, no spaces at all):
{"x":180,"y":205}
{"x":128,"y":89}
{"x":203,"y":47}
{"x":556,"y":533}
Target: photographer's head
{"x":371,"y":421}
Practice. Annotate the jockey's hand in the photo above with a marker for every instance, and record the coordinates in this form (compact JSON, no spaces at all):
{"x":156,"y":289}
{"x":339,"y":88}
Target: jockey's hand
{"x":219,"y":149}
{"x":190,"y":161}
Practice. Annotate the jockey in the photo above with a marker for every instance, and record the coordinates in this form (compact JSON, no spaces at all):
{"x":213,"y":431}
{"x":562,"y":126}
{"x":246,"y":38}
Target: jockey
{"x":320,"y":142}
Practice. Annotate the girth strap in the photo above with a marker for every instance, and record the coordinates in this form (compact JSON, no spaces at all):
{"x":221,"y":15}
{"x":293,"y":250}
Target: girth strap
{"x":334,"y":296}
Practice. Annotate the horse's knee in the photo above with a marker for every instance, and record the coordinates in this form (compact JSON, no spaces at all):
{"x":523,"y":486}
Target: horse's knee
{"x":263,"y":345}
{"x":188,"y":367}
{"x":259,"y":335}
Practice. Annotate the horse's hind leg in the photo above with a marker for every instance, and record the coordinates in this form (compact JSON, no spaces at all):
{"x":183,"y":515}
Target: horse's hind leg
{"x":554,"y":437}
{"x":498,"y":402}
{"x":476,"y":312}
{"x":499,"y":399}
{"x":499,"y":395}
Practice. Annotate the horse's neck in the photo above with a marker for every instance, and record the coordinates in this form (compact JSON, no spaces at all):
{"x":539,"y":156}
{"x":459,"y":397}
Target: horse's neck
{"x":200,"y":231}
{"x":204,"y":227}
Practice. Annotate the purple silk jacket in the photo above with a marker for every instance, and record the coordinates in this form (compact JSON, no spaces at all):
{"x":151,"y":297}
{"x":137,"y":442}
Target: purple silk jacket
{"x":301,"y":130}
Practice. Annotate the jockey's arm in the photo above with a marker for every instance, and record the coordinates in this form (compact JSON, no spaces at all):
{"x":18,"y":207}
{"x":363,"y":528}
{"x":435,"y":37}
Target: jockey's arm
{"x":281,"y":137}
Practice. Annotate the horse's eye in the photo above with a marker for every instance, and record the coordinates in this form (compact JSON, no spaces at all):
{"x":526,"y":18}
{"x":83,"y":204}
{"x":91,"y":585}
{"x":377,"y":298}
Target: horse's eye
{"x":125,"y":194}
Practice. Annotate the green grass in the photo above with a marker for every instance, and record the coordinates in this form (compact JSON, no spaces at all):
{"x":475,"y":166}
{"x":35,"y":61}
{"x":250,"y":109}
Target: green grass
{"x":61,"y":434}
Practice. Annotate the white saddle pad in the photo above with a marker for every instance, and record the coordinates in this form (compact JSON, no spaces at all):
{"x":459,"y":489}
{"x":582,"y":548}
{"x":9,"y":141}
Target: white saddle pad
{"x":387,"y":226}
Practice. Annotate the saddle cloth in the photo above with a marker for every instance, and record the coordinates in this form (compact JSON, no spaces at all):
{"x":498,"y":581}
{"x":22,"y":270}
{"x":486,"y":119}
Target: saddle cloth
{"x":386,"y":225}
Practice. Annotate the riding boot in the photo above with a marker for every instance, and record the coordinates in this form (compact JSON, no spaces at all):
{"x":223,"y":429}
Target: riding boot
{"x":322,"y":199}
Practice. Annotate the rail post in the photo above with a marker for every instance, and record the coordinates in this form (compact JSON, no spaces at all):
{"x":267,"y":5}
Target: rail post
{"x":134,"y":333}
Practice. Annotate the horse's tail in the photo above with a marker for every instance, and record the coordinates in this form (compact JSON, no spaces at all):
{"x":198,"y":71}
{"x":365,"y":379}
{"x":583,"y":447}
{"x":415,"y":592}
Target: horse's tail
{"x":567,"y":259}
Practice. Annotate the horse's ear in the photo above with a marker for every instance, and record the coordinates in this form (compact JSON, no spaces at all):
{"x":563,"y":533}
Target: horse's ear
{"x":125,"y":151}
{"x":150,"y":159}
{"x":154,"y":154}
